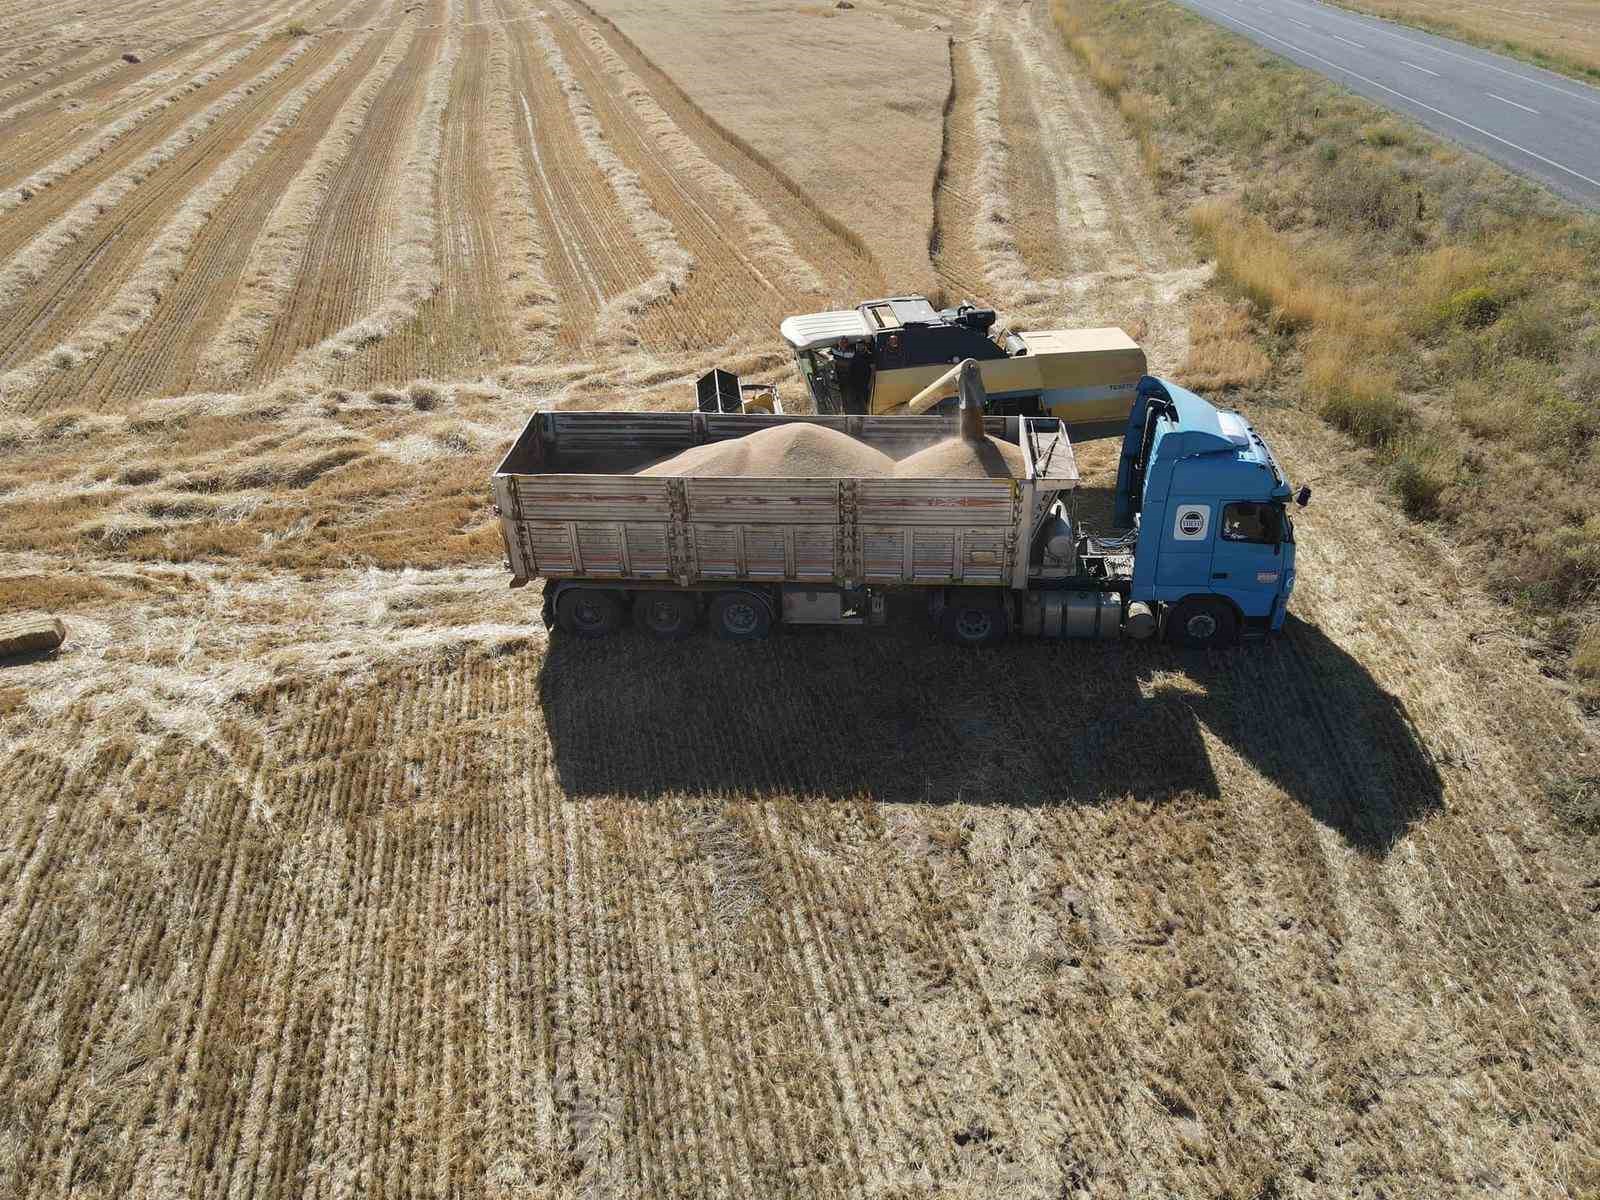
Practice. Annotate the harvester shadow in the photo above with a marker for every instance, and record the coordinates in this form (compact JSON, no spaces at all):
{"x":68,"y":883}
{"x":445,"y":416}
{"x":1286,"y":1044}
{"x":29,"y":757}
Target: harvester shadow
{"x":899,"y":716}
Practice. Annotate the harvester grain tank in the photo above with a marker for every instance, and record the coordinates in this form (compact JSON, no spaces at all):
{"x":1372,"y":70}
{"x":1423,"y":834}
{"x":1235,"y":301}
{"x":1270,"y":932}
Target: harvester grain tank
{"x":896,"y":347}
{"x":1205,"y":552}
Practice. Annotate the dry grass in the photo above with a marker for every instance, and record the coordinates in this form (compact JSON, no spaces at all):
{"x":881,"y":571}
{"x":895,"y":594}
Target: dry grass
{"x":995,"y":241}
{"x":413,"y":267}
{"x":275,"y":259}
{"x":134,"y":303}
{"x":777,"y":253}
{"x":1223,"y":350}
{"x":27,"y":265}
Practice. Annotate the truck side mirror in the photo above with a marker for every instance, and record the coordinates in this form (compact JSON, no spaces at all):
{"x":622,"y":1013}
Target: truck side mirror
{"x":1303,"y":496}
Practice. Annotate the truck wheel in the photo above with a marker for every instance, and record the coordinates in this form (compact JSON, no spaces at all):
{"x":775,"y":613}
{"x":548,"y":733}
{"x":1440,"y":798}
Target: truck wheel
{"x":972,"y":624}
{"x":1202,"y":624}
{"x":740,"y":617}
{"x":589,"y":612}
{"x":666,"y":615}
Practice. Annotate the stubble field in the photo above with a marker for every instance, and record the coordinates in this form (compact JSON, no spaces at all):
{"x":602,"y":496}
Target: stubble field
{"x":324,"y":872}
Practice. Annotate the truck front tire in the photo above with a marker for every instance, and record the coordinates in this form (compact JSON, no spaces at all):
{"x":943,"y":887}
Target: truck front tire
{"x":589,"y":612}
{"x":1202,"y":623}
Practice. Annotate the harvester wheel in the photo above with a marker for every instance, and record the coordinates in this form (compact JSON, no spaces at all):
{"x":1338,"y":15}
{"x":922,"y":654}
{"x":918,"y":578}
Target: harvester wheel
{"x":589,"y":612}
{"x":740,"y":617}
{"x":1202,"y":623}
{"x":666,"y":615}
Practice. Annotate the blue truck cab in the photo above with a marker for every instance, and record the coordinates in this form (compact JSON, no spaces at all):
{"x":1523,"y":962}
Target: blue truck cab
{"x":1215,"y":546}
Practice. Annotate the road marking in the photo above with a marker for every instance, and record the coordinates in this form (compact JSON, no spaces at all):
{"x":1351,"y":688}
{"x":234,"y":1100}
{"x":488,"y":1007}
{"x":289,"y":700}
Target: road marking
{"x":1513,"y":103}
{"x":1414,"y":67}
{"x":1346,"y":41}
{"x":1375,"y":25}
{"x":1549,"y":162}
{"x":1292,"y":21}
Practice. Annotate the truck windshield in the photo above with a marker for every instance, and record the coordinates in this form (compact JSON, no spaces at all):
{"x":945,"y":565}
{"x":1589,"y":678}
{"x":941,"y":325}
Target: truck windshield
{"x":1252,"y":521}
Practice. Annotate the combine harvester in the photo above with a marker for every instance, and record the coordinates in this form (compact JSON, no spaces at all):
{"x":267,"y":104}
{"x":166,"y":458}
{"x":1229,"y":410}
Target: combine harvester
{"x":885,"y":357}
{"x":881,"y":356}
{"x":1206,"y":553}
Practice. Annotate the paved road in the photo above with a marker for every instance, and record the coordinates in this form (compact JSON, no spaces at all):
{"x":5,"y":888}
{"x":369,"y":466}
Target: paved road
{"x":1533,"y":121}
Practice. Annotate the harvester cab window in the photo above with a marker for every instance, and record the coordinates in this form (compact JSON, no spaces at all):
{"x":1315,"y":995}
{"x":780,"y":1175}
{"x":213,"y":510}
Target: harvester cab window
{"x":1252,"y":521}
{"x":891,"y":351}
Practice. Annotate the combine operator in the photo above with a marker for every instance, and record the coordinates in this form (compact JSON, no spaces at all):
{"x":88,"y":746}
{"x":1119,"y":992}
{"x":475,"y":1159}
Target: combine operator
{"x":852,"y":370}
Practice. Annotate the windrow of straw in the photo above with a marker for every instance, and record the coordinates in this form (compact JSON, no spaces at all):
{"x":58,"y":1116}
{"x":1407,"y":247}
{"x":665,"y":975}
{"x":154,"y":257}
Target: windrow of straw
{"x":276,"y":258}
{"x":135,"y":302}
{"x":772,"y":246}
{"x":414,"y":260}
{"x":655,"y":233}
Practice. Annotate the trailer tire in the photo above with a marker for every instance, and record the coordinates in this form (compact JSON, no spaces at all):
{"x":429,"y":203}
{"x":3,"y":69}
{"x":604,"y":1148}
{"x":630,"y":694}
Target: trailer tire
{"x":589,"y":612}
{"x":973,"y":624}
{"x":740,"y":617}
{"x":666,"y":615}
{"x":1203,"y":623}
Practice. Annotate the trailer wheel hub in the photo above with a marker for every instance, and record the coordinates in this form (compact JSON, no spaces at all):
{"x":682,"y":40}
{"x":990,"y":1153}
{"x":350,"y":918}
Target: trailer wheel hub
{"x":975,"y":624}
{"x":740,"y":617}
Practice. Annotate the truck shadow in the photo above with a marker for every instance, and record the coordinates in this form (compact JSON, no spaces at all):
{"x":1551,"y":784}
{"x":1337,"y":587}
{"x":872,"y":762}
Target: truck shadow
{"x":899,"y":716}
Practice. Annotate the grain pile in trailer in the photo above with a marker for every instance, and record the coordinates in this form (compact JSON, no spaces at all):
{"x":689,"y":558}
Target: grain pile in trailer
{"x":799,"y":451}
{"x":958,"y":458}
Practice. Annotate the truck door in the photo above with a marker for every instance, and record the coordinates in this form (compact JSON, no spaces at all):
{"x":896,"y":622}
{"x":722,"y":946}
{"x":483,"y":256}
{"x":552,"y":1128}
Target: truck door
{"x":1250,"y":556}
{"x":1188,"y":537}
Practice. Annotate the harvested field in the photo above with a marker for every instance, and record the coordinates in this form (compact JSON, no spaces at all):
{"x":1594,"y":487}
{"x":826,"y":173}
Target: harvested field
{"x":325,"y":872}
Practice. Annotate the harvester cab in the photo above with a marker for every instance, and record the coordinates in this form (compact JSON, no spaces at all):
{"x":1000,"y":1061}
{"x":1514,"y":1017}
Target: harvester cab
{"x":881,"y":356}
